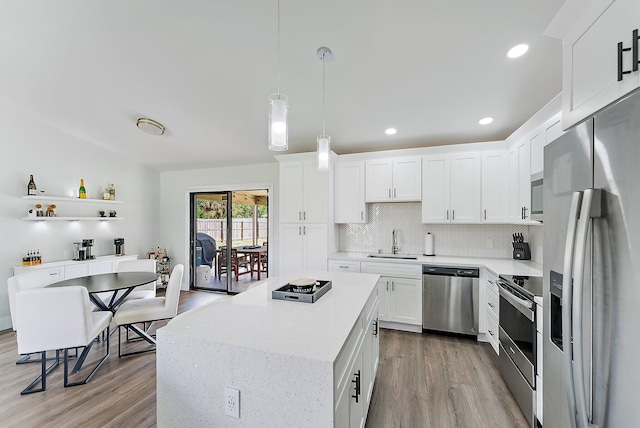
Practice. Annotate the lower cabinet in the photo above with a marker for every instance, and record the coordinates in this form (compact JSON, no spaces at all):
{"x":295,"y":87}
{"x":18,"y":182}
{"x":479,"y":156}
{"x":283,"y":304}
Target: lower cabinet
{"x":490,"y":310}
{"x":356,"y":370}
{"x":400,"y":300}
{"x":70,"y":269}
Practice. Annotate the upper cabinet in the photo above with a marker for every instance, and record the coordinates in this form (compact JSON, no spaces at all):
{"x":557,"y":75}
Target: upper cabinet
{"x":393,"y":180}
{"x":520,"y":182}
{"x":495,"y":187}
{"x":349,"y":190}
{"x":303,"y":193}
{"x":549,"y":131}
{"x":451,"y":188}
{"x":600,"y":55}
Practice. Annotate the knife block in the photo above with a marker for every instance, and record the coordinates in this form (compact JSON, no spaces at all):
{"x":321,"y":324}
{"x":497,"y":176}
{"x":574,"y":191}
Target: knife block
{"x":521,"y":251}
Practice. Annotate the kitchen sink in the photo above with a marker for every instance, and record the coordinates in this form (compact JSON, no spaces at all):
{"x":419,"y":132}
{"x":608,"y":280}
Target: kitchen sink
{"x":393,"y":256}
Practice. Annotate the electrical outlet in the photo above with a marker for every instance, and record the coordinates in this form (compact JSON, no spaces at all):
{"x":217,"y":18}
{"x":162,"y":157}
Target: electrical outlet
{"x":489,"y":243}
{"x":232,"y":402}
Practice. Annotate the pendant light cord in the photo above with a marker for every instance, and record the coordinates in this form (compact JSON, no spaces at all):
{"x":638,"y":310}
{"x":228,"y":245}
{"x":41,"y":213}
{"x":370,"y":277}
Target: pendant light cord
{"x":278,"y":47}
{"x":323,"y":132}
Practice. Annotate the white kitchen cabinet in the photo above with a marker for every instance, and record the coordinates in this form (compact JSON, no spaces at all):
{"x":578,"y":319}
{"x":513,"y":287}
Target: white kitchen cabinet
{"x":349,"y":193}
{"x":520,"y":182}
{"x":344,"y":266}
{"x":548,"y":132}
{"x":451,"y":188}
{"x":495,"y":187}
{"x":303,"y":192}
{"x":489,"y":309}
{"x":304,"y":247}
{"x":68,"y":269}
{"x":400,"y":300}
{"x":393,"y":180}
{"x":593,"y":34}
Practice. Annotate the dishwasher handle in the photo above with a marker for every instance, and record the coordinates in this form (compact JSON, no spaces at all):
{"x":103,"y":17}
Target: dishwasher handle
{"x":463,"y":272}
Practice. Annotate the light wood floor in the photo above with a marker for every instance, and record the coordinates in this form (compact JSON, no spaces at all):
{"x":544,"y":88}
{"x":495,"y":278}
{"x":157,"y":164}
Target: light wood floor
{"x":423,"y":381}
{"x":438,"y":381}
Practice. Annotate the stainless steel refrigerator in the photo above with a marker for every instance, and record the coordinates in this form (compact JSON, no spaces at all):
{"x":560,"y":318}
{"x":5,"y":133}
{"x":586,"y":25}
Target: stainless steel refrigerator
{"x":591,"y":347}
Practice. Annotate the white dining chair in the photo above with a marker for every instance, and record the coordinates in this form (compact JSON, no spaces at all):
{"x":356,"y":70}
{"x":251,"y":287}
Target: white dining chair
{"x":149,"y":310}
{"x":55,"y":319}
{"x":25,"y":281}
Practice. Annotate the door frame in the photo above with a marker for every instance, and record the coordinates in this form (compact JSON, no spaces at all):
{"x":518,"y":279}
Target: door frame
{"x":268,"y":186}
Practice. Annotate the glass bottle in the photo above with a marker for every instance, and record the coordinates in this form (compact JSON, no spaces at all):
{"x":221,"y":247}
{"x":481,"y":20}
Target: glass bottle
{"x":112,"y":192}
{"x":82,"y":192}
{"x":31,"y":187}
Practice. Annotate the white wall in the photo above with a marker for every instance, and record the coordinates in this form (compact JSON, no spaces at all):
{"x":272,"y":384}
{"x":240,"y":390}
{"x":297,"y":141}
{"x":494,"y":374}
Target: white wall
{"x":58,"y":161}
{"x":176,"y":186}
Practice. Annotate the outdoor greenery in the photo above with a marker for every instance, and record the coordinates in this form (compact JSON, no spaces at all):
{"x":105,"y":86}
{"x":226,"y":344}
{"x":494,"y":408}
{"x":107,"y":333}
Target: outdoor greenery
{"x":217,"y":210}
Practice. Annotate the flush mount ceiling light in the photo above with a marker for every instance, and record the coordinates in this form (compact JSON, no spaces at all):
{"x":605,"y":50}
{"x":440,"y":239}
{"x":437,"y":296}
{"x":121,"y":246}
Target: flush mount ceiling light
{"x":324,"y":141}
{"x":278,"y":106}
{"x":390,"y":131}
{"x":150,"y":126}
{"x":517,"y":51}
{"x":485,"y":121}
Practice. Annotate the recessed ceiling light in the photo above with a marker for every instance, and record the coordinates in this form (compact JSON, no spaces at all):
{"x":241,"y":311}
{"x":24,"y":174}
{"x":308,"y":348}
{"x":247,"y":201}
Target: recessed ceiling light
{"x":150,"y":126}
{"x":390,"y":131}
{"x":485,"y":121}
{"x":517,"y":51}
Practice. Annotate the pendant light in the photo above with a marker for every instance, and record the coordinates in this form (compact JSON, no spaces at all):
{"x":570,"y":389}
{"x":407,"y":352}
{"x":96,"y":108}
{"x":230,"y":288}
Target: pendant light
{"x":324,"y":141}
{"x":278,"y":106}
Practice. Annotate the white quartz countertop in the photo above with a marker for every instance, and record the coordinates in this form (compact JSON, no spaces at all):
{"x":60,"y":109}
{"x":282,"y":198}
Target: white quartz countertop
{"x":79,"y":262}
{"x":254,"y":320}
{"x":497,"y":266}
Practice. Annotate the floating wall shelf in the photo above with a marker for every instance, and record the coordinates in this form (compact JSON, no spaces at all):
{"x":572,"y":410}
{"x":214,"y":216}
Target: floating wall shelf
{"x":67,"y":199}
{"x":44,"y":218}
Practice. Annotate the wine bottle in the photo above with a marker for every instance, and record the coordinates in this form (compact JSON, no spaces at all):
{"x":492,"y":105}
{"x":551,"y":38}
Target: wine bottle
{"x":31,"y":187}
{"x":82,"y":193}
{"x":112,"y":192}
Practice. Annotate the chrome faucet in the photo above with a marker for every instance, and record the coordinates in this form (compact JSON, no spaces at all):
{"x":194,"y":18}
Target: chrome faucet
{"x":394,"y":247}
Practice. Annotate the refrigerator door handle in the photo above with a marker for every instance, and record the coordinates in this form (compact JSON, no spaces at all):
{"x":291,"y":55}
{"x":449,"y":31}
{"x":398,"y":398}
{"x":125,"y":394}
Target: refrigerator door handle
{"x":567,"y":351}
{"x":590,"y":209}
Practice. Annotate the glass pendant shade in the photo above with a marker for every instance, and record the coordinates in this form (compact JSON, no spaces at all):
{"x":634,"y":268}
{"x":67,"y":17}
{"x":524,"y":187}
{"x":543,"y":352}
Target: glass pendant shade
{"x":324,"y":142}
{"x":278,"y":129}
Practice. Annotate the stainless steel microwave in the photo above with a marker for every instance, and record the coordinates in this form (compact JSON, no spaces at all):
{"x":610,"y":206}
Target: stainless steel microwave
{"x":536,"y":196}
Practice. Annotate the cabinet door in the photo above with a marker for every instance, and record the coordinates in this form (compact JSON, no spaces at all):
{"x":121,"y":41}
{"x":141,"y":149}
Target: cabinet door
{"x":436,"y":193}
{"x":314,"y":193}
{"x":515,"y":210}
{"x":97,"y":268}
{"x":379,"y":178}
{"x":406,"y":300}
{"x":407,"y":179}
{"x":495,"y":187}
{"x":384,"y":290}
{"x":356,"y":412}
{"x":291,"y":250}
{"x":590,"y":61}
{"x":291,"y":192}
{"x":371,"y":356}
{"x":524,"y":180}
{"x":76,"y":271}
{"x":314,"y":239}
{"x":465,"y":188}
{"x":349,"y":191}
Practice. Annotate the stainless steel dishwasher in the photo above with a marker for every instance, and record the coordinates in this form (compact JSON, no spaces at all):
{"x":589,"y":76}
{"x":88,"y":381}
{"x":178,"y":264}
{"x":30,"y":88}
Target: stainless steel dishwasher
{"x":450,"y":299}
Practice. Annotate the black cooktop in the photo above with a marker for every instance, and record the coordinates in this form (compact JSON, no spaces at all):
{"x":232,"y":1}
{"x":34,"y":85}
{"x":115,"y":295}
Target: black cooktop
{"x":531,"y":285}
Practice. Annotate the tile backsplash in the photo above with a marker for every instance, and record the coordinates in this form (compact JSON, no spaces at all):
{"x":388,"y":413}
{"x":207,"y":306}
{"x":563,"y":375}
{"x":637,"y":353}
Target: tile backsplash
{"x":472,"y":240}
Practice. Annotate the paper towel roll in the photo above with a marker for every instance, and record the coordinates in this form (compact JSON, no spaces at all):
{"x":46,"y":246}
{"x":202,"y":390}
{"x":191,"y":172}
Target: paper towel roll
{"x":428,"y":245}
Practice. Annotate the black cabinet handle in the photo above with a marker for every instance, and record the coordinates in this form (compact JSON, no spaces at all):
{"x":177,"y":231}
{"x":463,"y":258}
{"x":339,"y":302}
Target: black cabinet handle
{"x":634,"y":44}
{"x":621,"y":51}
{"x":375,"y":327}
{"x":356,"y":381}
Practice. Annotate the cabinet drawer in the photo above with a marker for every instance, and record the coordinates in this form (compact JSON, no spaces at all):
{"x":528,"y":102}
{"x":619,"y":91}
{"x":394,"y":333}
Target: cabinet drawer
{"x":344,"y":266}
{"x":492,"y":332}
{"x":392,"y":269}
{"x":539,"y":355}
{"x":492,"y":282}
{"x":492,"y":303}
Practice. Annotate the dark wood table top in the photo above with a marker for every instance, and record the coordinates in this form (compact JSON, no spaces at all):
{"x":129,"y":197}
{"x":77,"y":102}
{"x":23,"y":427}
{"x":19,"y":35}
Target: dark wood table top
{"x":109,"y":281}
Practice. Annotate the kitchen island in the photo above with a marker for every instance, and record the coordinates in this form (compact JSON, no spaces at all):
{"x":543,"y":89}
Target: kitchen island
{"x":295,"y":364}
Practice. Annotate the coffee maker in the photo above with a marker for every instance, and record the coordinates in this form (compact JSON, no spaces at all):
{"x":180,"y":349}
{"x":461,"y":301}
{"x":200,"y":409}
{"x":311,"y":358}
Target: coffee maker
{"x":87,"y":244}
{"x":119,"y":243}
{"x":79,"y":251}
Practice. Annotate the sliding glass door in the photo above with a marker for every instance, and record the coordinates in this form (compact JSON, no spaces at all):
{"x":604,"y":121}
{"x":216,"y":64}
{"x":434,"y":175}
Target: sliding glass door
{"x":235,"y":220}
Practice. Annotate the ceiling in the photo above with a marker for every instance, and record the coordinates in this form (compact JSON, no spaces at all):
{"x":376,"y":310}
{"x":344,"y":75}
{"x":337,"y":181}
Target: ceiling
{"x":205,"y":69}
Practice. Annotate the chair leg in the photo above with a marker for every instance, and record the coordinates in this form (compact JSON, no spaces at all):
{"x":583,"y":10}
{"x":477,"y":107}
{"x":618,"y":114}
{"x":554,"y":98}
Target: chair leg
{"x":142,"y":335}
{"x":26,"y":359}
{"x":43,"y":375}
{"x":93,"y":372}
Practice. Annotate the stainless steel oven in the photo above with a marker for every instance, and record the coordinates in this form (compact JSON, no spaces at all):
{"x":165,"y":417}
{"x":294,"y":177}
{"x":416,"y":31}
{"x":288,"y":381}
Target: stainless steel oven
{"x":517,"y":334}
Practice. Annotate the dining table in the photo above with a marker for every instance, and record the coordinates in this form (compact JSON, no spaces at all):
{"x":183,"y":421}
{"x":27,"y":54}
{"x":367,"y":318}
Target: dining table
{"x":255,"y":252}
{"x":105,"y":283}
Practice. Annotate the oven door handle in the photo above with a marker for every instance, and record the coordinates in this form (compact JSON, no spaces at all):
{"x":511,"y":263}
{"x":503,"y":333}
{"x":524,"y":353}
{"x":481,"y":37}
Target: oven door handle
{"x":525,"y":307}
